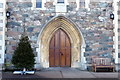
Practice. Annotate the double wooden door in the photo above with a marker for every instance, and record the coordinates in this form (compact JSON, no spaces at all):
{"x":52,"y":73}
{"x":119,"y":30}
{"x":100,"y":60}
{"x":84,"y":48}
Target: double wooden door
{"x":60,"y":50}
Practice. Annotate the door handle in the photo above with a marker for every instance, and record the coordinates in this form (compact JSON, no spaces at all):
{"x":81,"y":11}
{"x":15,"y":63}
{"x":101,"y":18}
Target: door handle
{"x":61,"y":53}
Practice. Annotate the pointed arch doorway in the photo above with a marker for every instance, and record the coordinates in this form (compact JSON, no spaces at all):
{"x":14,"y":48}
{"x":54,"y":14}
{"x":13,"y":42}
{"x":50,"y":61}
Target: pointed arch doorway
{"x":60,"y":49}
{"x":47,"y":51}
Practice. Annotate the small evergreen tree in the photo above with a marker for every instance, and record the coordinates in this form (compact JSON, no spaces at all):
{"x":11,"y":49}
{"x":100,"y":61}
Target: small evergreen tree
{"x":23,"y":56}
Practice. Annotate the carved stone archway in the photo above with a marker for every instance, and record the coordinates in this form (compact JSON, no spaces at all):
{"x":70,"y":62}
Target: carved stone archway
{"x":76,"y":38}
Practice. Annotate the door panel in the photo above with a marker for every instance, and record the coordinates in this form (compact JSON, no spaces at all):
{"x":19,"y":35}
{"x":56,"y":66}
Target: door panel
{"x":57,"y":49}
{"x":60,"y":50}
{"x":51,"y":50}
{"x":68,"y":55}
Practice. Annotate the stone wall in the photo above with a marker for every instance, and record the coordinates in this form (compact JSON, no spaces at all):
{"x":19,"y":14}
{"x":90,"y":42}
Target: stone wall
{"x":95,"y":25}
{"x":119,"y":35}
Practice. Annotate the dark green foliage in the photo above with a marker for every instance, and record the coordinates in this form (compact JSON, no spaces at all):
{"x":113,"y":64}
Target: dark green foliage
{"x":23,"y":56}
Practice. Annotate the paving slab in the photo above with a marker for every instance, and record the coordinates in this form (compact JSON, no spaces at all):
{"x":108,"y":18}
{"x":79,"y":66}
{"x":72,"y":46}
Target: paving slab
{"x":0,"y":75}
{"x":119,"y":75}
{"x":105,"y":74}
{"x":50,"y":74}
{"x":77,"y":74}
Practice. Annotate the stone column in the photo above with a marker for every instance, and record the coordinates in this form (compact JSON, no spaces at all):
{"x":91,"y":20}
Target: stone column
{"x":115,"y":22}
{"x":87,"y":2}
{"x":2,"y":32}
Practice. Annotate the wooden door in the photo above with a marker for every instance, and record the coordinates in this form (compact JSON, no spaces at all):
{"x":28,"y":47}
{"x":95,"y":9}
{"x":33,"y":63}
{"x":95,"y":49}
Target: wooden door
{"x":60,"y":50}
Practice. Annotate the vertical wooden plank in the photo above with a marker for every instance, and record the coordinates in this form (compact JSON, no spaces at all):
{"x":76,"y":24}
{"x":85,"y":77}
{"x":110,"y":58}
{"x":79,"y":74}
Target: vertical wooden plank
{"x":68,"y":52}
{"x":51,"y":53}
{"x":62,"y":48}
{"x":57,"y":48}
{"x":52,"y":58}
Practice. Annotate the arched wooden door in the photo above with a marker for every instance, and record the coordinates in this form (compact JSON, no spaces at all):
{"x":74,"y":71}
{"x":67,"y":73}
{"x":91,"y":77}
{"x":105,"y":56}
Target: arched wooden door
{"x":60,"y":50}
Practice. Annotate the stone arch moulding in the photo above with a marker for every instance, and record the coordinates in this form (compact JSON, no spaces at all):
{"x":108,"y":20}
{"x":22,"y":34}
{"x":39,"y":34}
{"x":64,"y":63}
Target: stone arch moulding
{"x":76,"y":38}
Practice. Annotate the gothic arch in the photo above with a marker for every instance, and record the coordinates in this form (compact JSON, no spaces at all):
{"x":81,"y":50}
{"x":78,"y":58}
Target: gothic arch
{"x":76,"y":38}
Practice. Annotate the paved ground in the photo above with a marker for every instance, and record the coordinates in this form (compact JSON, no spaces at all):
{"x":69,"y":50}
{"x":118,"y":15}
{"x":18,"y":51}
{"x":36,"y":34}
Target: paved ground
{"x":62,"y":73}
{"x":0,"y":75}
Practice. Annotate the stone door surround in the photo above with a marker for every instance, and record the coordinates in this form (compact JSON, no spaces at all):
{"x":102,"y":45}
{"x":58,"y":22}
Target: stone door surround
{"x":72,"y":31}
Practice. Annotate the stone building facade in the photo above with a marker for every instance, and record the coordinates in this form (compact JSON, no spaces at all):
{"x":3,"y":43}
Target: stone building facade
{"x":119,"y":32}
{"x":87,"y":23}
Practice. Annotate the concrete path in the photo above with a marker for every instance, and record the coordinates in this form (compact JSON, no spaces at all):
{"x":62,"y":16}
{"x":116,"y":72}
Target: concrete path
{"x":63,"y":73}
